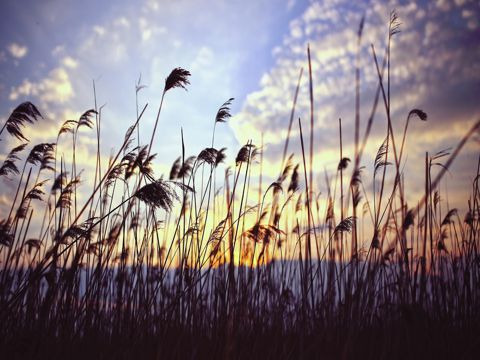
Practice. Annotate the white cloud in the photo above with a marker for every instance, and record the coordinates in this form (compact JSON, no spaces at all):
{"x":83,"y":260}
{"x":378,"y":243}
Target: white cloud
{"x":203,"y":59}
{"x":54,"y":88}
{"x":149,"y":29}
{"x":110,"y":39}
{"x":17,"y":51}
{"x":152,"y":5}
{"x":424,"y":54}
{"x":296,"y":29}
{"x":69,"y":62}
{"x":312,"y":13}
{"x":122,"y":21}
{"x":99,"y":30}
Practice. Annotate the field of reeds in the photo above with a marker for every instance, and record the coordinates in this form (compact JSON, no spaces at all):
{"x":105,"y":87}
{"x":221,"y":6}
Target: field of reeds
{"x":209,"y":262}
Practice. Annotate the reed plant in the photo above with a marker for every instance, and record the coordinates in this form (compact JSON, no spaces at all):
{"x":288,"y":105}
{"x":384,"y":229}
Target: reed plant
{"x":187,"y":267}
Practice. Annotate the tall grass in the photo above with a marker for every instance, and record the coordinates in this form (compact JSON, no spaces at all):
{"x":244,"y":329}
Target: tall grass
{"x":188,"y":268}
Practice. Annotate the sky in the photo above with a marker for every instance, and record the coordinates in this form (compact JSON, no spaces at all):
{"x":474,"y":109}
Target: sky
{"x":51,"y":53}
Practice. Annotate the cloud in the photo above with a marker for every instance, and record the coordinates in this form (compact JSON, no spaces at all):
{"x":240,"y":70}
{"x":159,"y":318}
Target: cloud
{"x":99,"y":30}
{"x":203,"y":59}
{"x":422,"y":54}
{"x":122,"y":21}
{"x":17,"y":51}
{"x":149,"y":30}
{"x":69,"y":62}
{"x":54,"y":88}
{"x":435,"y":66}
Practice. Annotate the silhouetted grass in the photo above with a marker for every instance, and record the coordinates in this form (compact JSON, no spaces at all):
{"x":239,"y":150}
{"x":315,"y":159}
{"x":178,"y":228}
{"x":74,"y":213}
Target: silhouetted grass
{"x":143,"y":267}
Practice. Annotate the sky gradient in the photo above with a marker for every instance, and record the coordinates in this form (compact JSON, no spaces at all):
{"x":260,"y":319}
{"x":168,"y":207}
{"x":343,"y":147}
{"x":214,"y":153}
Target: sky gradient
{"x":52,"y":51}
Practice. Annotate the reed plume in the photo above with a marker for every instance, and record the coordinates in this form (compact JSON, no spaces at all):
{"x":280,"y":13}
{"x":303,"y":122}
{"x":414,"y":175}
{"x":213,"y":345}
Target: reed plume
{"x":24,"y":113}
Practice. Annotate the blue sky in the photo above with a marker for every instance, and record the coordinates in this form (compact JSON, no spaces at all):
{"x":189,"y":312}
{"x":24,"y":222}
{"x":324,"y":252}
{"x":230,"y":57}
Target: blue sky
{"x":50,"y":51}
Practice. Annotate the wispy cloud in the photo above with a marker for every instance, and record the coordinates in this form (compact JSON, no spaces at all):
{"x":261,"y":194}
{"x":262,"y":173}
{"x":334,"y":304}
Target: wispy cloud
{"x":54,"y":88}
{"x":433,"y":58}
{"x":17,"y":51}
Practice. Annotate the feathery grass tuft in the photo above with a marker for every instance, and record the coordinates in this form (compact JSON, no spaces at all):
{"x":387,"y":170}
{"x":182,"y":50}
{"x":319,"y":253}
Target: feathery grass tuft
{"x":9,"y":166}
{"x":24,"y":113}
{"x":223,"y":113}
{"x":177,"y":78}
{"x":158,"y":194}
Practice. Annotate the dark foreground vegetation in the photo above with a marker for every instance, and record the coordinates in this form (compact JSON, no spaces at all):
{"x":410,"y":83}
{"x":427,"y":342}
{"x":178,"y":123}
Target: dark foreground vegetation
{"x":141,"y":267}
